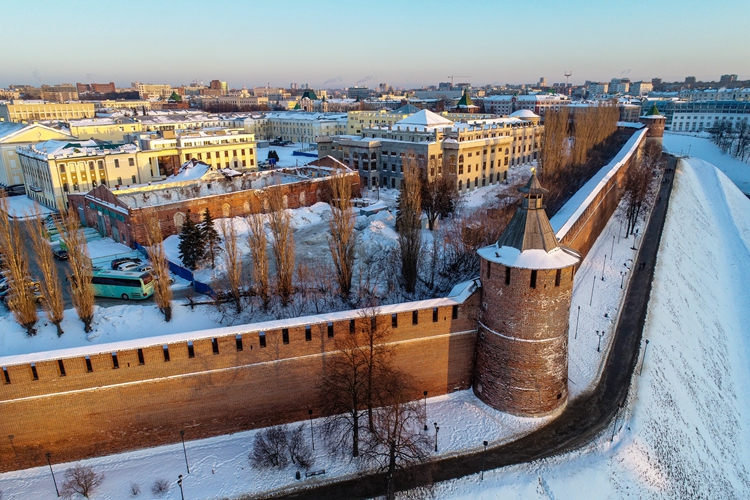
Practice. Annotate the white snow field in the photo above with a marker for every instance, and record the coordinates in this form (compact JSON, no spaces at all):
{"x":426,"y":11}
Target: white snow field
{"x":24,"y":207}
{"x":700,"y":146}
{"x":684,"y":432}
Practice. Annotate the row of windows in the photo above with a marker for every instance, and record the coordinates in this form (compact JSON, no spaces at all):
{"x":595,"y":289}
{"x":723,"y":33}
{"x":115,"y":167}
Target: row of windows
{"x":238,"y":344}
{"x":533,"y":278}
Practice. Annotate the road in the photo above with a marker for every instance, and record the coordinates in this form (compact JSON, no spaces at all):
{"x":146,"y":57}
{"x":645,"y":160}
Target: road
{"x":581,"y":421}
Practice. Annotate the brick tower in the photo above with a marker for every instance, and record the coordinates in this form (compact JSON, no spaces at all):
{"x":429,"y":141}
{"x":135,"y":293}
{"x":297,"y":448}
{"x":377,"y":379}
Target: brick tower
{"x":527,"y":282}
{"x":655,"y":123}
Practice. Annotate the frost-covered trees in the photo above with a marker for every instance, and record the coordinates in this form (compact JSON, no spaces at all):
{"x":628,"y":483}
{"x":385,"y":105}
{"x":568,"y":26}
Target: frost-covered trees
{"x":191,"y":244}
{"x":209,"y":237}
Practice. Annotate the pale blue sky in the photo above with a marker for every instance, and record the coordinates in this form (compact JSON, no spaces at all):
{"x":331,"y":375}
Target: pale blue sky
{"x":404,"y":43}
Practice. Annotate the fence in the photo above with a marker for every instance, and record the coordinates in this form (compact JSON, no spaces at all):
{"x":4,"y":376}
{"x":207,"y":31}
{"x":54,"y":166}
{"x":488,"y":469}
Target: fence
{"x":183,"y":273}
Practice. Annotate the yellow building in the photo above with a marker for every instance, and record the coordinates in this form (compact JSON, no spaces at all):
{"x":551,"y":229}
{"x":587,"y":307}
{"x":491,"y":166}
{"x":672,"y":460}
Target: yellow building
{"x":105,"y":129}
{"x":34,"y":111}
{"x":114,"y":104}
{"x":356,"y":121}
{"x":13,"y":135}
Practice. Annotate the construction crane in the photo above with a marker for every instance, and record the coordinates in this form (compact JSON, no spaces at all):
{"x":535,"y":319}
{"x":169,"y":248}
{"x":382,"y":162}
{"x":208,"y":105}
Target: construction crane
{"x":568,"y":74}
{"x":457,"y":76}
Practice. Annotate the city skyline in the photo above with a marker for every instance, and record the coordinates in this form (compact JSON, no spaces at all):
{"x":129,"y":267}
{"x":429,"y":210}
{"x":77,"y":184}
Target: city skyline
{"x":335,"y":45}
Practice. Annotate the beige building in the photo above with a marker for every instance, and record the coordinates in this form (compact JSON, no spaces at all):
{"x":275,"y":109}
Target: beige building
{"x":105,"y":129}
{"x":477,"y":152}
{"x":151,"y":90}
{"x":13,"y":135}
{"x":116,"y":104}
{"x":34,"y":111}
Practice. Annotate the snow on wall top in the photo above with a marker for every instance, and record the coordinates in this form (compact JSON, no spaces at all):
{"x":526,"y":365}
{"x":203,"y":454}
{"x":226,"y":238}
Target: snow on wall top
{"x":580,"y":201}
{"x":458,"y":296}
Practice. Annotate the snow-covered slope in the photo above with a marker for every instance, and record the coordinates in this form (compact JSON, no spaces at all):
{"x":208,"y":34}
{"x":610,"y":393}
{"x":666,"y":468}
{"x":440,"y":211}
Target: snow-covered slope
{"x":685,"y":431}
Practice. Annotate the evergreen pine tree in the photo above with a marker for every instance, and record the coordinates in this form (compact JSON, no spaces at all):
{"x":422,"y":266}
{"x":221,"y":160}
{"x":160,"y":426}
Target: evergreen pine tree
{"x":209,"y":237}
{"x":191,"y":246}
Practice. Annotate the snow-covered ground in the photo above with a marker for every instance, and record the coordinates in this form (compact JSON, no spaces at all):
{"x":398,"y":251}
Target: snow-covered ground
{"x":700,"y":146}
{"x":286,"y":156}
{"x":219,"y":466}
{"x":106,"y":247}
{"x":25,"y":207}
{"x":685,"y":430}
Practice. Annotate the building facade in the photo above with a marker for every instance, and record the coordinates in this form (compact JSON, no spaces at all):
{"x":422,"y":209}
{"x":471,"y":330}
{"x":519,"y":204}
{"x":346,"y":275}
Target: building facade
{"x":13,"y":135}
{"x":36,"y":111}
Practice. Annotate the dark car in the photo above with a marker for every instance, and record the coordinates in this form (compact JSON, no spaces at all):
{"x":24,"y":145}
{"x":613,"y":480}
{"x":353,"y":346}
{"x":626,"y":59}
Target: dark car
{"x":116,"y":263}
{"x":60,"y":254}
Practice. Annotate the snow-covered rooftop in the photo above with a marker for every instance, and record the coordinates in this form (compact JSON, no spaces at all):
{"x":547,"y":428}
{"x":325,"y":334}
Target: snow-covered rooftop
{"x":425,"y":118}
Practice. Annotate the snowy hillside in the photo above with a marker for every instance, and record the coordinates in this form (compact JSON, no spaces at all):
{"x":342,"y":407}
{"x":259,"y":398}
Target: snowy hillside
{"x":685,"y":430}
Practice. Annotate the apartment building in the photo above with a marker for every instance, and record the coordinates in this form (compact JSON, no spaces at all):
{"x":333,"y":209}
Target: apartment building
{"x":697,"y":116}
{"x":477,"y":152}
{"x":35,"y":111}
{"x":537,"y":103}
{"x":151,"y":90}
{"x":13,"y":135}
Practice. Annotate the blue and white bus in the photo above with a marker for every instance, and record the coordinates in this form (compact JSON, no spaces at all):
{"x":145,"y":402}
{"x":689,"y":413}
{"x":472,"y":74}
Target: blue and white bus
{"x":122,"y":284}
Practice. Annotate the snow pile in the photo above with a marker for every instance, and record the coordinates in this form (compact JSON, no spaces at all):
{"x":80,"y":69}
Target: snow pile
{"x":314,"y":214}
{"x":702,"y":147}
{"x":685,"y":430}
{"x":106,"y":247}
{"x":23,"y":206}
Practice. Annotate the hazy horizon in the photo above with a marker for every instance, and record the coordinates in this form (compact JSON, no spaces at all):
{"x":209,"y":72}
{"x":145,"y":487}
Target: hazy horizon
{"x":338,"y":44}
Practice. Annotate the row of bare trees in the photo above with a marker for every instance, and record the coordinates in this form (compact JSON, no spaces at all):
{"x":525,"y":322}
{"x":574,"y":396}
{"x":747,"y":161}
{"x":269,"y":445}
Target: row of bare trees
{"x":638,"y":181}
{"x":732,"y":138}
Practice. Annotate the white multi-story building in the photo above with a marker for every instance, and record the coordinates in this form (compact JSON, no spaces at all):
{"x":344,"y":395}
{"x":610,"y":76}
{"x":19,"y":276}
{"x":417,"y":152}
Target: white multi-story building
{"x":698,"y":116}
{"x":598,"y":88}
{"x":723,"y":94}
{"x":536,"y":103}
{"x":641,"y":88}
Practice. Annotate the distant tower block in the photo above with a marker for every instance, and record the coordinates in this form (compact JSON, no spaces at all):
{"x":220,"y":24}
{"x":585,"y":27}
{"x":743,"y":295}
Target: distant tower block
{"x":655,"y":122}
{"x":527,"y":282}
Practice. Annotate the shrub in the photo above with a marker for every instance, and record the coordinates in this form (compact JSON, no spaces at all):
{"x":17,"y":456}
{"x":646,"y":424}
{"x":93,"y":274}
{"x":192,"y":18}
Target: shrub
{"x":299,"y":449}
{"x":160,"y":487}
{"x":135,"y":489}
{"x":82,"y":480}
{"x":269,"y":448}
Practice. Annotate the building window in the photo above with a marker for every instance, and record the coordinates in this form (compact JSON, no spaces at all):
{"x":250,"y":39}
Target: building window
{"x":558,"y":275}
{"x":308,"y":333}
{"x":166,"y":352}
{"x":141,"y":360}
{"x":215,"y":345}
{"x":262,"y":338}
{"x":394,"y":320}
{"x":131,"y":162}
{"x":117,"y":163}
{"x":330,"y":329}
{"x":507,"y":275}
{"x":238,"y":342}
{"x":7,"y":376}
{"x":133,"y":178}
{"x":61,"y":366}
{"x":101,"y":164}
{"x":351,"y":326}
{"x":454,"y":312}
{"x":285,"y":335}
{"x":115,"y":362}
{"x":415,"y":317}
{"x":34,"y":374}
{"x":62,"y":169}
{"x":119,"y":181}
{"x":434,"y":314}
{"x":191,"y":350}
{"x":533,"y":278}
{"x":89,"y":368}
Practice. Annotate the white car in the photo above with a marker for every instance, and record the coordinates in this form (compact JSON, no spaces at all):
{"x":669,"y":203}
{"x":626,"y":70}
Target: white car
{"x":128,"y":266}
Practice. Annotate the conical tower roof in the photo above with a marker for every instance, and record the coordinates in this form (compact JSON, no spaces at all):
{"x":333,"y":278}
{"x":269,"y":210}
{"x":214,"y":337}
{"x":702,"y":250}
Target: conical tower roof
{"x":465,"y":100}
{"x":529,"y":229}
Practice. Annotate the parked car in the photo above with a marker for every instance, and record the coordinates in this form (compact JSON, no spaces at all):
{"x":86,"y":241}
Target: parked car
{"x":116,"y":263}
{"x":60,"y":254}
{"x":146,"y":268}
{"x":128,"y":266}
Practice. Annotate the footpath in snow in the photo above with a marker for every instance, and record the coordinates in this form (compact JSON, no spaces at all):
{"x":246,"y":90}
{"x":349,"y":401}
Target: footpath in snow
{"x":684,"y":431}
{"x":219,"y":466}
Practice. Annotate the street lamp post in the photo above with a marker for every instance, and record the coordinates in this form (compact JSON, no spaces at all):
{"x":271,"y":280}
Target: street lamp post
{"x":622,"y":279}
{"x":591,"y":300}
{"x":603,"y":264}
{"x":484,"y":458}
{"x":599,"y":334}
{"x":577,"y":320}
{"x":640,"y":372}
{"x":179,"y":483}
{"x":52,"y":472}
{"x":312,"y":434}
{"x":437,"y":429}
{"x":184,"y":451}
{"x":425,"y":412}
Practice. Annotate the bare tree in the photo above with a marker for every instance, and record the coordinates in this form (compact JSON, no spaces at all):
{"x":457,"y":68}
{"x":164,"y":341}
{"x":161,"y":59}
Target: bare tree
{"x":257,"y":242}
{"x":298,"y":447}
{"x":269,"y":448}
{"x":373,"y":333}
{"x":81,"y":270}
{"x":54,"y":306}
{"x":233,"y":263}
{"x":342,"y":239}
{"x":282,"y":245}
{"x":438,"y":192}
{"x":553,"y":154}
{"x":396,"y":442}
{"x":81,"y":480}
{"x":21,"y":298}
{"x":637,"y":183}
{"x":162,"y":285}
{"x":409,"y":226}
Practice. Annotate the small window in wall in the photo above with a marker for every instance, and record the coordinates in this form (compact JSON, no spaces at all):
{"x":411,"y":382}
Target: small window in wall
{"x":262,"y":336}
{"x":558,"y":275}
{"x":141,"y":361}
{"x":115,"y":362}
{"x":374,"y":323}
{"x":238,"y":341}
{"x":351,"y":326}
{"x":89,"y":368}
{"x":34,"y":373}
{"x":507,"y":275}
{"x":434,"y":314}
{"x":61,"y":366}
{"x":415,"y":317}
{"x":215,"y":345}
{"x":6,"y":375}
{"x":394,"y":320}
{"x":165,"y":348}
{"x":454,"y":312}
{"x":489,"y":269}
{"x":533,"y":278}
{"x":330,"y":329}
{"x":285,"y":335}
{"x":308,"y":333}
{"x":191,"y":350}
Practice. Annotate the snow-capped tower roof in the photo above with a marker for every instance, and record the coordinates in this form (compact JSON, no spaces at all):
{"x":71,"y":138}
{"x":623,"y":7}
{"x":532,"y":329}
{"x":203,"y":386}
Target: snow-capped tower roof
{"x":426,"y":118}
{"x":529,"y":240}
{"x":524,"y":113}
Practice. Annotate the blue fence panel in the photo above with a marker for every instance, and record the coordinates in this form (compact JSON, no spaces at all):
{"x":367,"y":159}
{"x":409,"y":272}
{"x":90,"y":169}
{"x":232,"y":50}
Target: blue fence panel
{"x":183,"y":273}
